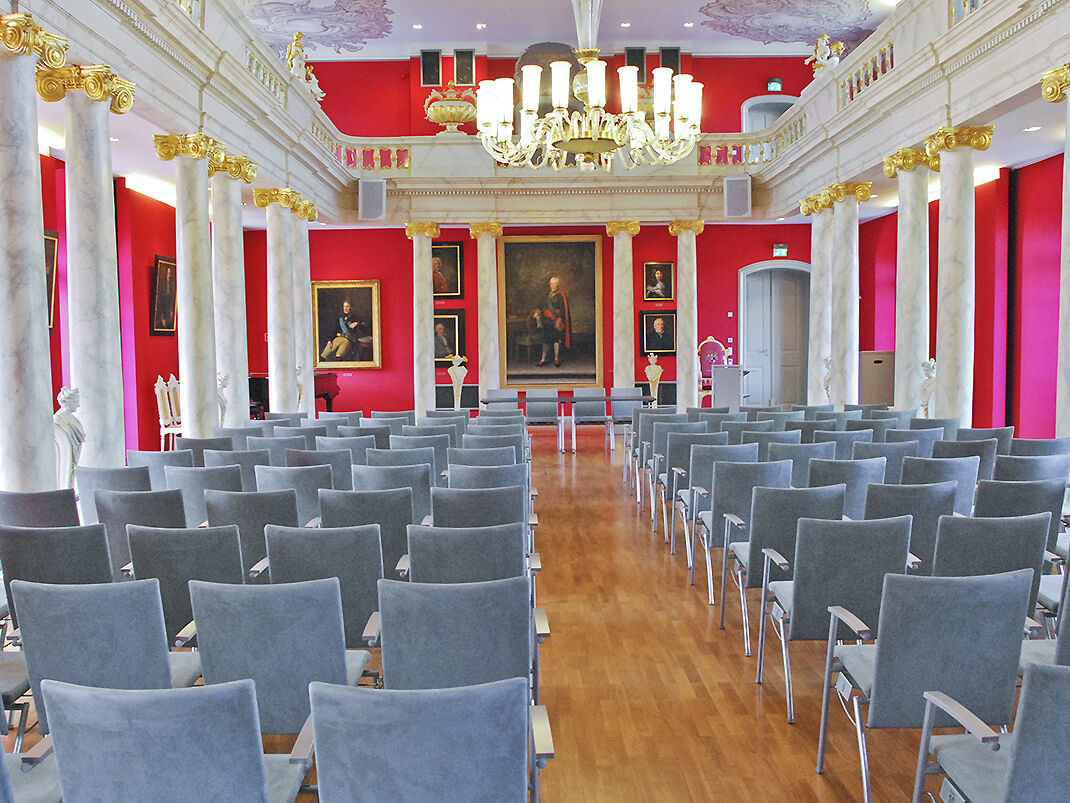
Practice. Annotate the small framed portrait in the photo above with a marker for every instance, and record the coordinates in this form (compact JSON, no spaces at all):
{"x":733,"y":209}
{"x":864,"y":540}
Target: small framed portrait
{"x":449,"y":335}
{"x":346,"y":320}
{"x":51,"y":250}
{"x":658,"y":332}
{"x":658,"y":281}
{"x":164,"y":273}
{"x":447,"y":269}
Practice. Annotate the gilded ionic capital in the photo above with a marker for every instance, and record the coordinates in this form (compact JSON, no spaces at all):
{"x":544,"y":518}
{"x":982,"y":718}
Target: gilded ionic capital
{"x":283,"y":196}
{"x":98,"y":81}
{"x":312,"y":211}
{"x":475,"y":230}
{"x":196,"y":146}
{"x":907,"y":159}
{"x":840,"y":191}
{"x":678,"y":227}
{"x":241,"y":167}
{"x":20,"y":34}
{"x":813,"y":203}
{"x":304,"y":208}
{"x":427,"y":229}
{"x":615,"y":227}
{"x":1055,"y":84}
{"x":947,"y":138}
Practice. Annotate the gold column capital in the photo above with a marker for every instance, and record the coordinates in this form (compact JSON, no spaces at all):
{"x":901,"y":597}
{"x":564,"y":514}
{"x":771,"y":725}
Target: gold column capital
{"x":20,"y":34}
{"x":304,"y":208}
{"x":815,"y":203}
{"x":283,"y":196}
{"x":862,"y":190}
{"x":475,"y":230}
{"x":907,"y":159}
{"x":678,"y":227}
{"x":196,"y":146}
{"x":98,"y":81}
{"x":615,"y":227}
{"x":427,"y":229}
{"x":1055,"y":84}
{"x":947,"y":138}
{"x":241,"y":167}
{"x":312,"y":212}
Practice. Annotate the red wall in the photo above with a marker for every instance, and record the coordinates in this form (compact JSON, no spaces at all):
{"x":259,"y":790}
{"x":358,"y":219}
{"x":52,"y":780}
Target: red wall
{"x":53,"y":177}
{"x":876,"y":307}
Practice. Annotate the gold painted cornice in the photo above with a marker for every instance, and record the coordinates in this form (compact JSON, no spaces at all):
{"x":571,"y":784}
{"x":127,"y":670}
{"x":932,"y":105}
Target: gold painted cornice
{"x":98,"y":81}
{"x":947,"y":138}
{"x":475,"y":230}
{"x":1055,"y":84}
{"x":236,"y":167}
{"x":427,"y":229}
{"x":615,"y":227}
{"x":20,"y":34}
{"x":196,"y":146}
{"x":862,"y":190}
{"x":284,"y":196}
{"x":907,"y":159}
{"x":678,"y":227}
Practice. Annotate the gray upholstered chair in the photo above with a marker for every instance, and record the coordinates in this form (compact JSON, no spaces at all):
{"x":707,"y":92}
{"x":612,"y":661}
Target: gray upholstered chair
{"x":281,"y":636}
{"x":924,"y":437}
{"x":354,"y":555}
{"x":198,"y":445}
{"x":633,"y":446}
{"x":779,"y":417}
{"x":497,"y":426}
{"x":309,"y":433}
{"x":984,"y":449}
{"x":416,"y":478}
{"x":150,"y":508}
{"x":771,"y":524}
{"x":394,"y":424}
{"x":276,"y":447}
{"x":501,"y":456}
{"x":855,"y":474}
{"x":285,"y":419}
{"x":357,"y":447}
{"x":156,"y":462}
{"x":331,"y":424}
{"x":752,"y":410}
{"x":391,"y":509}
{"x":974,"y":662}
{"x":866,"y":409}
{"x":878,"y":426}
{"x":735,"y":429}
{"x":237,"y":436}
{"x":1048,"y":650}
{"x":340,"y":461}
{"x":438,"y":443}
{"x":541,"y":407}
{"x":623,"y":401}
{"x":462,"y":476}
{"x":345,"y":419}
{"x":500,"y":417}
{"x":716,"y":419}
{"x":844,"y":440}
{"x":809,"y":427}
{"x":644,"y":440}
{"x":423,"y":430}
{"x":402,"y":456}
{"x":467,"y":554}
{"x":19,"y":781}
{"x":963,"y":470}
{"x":39,"y":508}
{"x":1031,"y":447}
{"x":408,"y":415}
{"x":924,"y":503}
{"x":655,"y":464}
{"x":167,"y":746}
{"x":439,"y":417}
{"x":469,"y":741}
{"x":835,"y":563}
{"x":810,"y":411}
{"x":193,"y":481}
{"x":841,"y":418}
{"x":766,"y":439}
{"x":949,"y":425}
{"x":1021,"y":468}
{"x":893,"y":453}
{"x":593,"y":412}
{"x":306,"y":480}
{"x":800,"y":455}
{"x":675,"y":477}
{"x":499,"y":399}
{"x":478,"y":507}
{"x":381,"y":433}
{"x":457,"y":424}
{"x":88,"y":480}
{"x":901,"y":417}
{"x":470,"y":441}
{"x":1003,"y":435}
{"x":245,"y":459}
{"x":251,"y":512}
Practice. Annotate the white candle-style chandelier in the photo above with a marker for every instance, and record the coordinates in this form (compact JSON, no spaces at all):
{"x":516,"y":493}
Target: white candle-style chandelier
{"x":593,"y":135}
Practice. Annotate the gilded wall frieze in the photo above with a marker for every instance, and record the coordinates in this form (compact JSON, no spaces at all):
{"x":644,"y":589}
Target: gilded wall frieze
{"x":907,"y":159}
{"x":196,"y":146}
{"x":475,"y":230}
{"x":947,"y":138}
{"x":427,"y":229}
{"x":678,"y":227}
{"x":1055,"y":84}
{"x":241,"y":167}
{"x":615,"y":227}
{"x":98,"y":81}
{"x":20,"y":34}
{"x":284,"y":196}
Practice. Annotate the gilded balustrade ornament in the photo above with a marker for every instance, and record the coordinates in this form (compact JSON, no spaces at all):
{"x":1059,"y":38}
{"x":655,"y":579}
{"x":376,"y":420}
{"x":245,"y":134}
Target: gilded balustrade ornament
{"x":475,"y":230}
{"x":20,"y":34}
{"x":284,"y":196}
{"x":615,"y":227}
{"x":907,"y":159}
{"x":1055,"y":84}
{"x":427,"y":229}
{"x":678,"y":227}
{"x":241,"y":167}
{"x":98,"y":81}
{"x":196,"y":146}
{"x":947,"y":138}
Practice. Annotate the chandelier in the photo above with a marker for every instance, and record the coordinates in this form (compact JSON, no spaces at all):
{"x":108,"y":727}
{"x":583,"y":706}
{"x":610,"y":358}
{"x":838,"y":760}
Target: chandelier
{"x":594,"y":135}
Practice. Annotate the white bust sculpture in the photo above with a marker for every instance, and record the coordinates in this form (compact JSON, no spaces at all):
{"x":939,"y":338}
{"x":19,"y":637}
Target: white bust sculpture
{"x":222,"y":379}
{"x":69,"y":436}
{"x":457,"y":373}
{"x":929,"y":385}
{"x":653,"y":374}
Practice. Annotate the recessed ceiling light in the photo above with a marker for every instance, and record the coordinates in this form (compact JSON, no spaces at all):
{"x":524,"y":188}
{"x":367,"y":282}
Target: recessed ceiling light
{"x":626,"y":25}
{"x":689,"y":25}
{"x":114,"y":139}
{"x":417,"y":27}
{"x":1031,"y":129}
{"x":780,"y":218}
{"x":481,"y":26}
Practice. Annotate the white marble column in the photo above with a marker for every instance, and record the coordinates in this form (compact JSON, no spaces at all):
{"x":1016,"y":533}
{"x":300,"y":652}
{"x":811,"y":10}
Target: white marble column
{"x":304,"y":341}
{"x":228,"y":285}
{"x":1054,"y":88}
{"x":687,"y":366}
{"x":486,"y":236}
{"x":622,"y":232}
{"x":423,"y":316}
{"x":27,"y":457}
{"x":843,"y":387}
{"x":282,"y":366}
{"x":820,"y":346}
{"x":911,"y":274}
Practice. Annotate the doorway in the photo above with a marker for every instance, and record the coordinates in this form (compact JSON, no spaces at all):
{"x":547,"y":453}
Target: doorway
{"x":762,"y":111}
{"x":774,"y":308}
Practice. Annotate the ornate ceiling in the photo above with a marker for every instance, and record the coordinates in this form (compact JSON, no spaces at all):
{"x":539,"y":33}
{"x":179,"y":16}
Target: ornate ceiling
{"x":769,"y":21}
{"x":341,"y":26}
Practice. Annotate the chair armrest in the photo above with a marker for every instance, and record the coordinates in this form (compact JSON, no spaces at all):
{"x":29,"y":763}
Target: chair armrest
{"x":1051,"y":557}
{"x":542,"y":624}
{"x":966,"y":718}
{"x":315,"y":523}
{"x":535,"y":562}
{"x":14,"y":637}
{"x":305,"y":746}
{"x":40,"y":751}
{"x":403,"y":565}
{"x":541,"y":738}
{"x":258,"y":568}
{"x":680,"y":472}
{"x":186,"y":634}
{"x":780,"y":561}
{"x":534,"y":493}
{"x":427,"y":521}
{"x":127,"y":570}
{"x":913,"y":561}
{"x":845,"y":517}
{"x":960,"y":515}
{"x":732,"y":518}
{"x":533,"y":520}
{"x":852,"y":621}
{"x":1033,"y":627}
{"x":658,"y":458}
{"x":700,"y":490}
{"x":371,"y":629}
{"x":445,"y":473}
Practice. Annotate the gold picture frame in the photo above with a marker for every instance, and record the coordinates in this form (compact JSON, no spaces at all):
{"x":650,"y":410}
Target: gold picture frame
{"x":51,"y":255}
{"x":362,"y":348}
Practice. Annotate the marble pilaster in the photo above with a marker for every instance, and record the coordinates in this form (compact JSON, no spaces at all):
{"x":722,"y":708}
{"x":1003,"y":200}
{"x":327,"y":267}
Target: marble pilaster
{"x":687,"y":365}
{"x":282,"y":366}
{"x":423,"y":315}
{"x":486,"y":236}
{"x":1054,"y":88}
{"x":304,"y":339}
{"x":622,"y":232}
{"x":843,"y":387}
{"x":820,"y":329}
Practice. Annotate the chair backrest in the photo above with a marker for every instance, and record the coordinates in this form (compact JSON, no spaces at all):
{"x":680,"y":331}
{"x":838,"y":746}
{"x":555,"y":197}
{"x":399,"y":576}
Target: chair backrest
{"x":441,"y":635}
{"x":800,"y":455}
{"x":661,"y":429}
{"x":843,"y":563}
{"x":495,"y":441}
{"x":424,"y":430}
{"x":306,"y":480}
{"x":878,"y":426}
{"x":389,"y":508}
{"x":865,"y":408}
{"x":340,"y":461}
{"x":357,"y":447}
{"x":1029,"y":447}
{"x":281,"y":636}
{"x":735,"y":429}
{"x":893,"y":453}
{"x":924,"y":503}
{"x":198,"y":445}
{"x":1016,"y":468}
{"x":381,"y":434}
{"x":439,"y":444}
{"x":810,"y":411}
{"x":963,"y":470}
{"x":478,"y":507}
{"x":489,"y":476}
{"x":501,"y":456}
{"x":88,"y":480}
{"x":292,"y":419}
{"x":901,"y":417}
{"x":975,"y":662}
{"x":237,"y":436}
{"x":469,"y":741}
{"x":715,"y":419}
{"x":458,"y":424}
{"x":246,"y":460}
{"x":446,"y":415}
{"x":276,"y":446}
{"x":417,"y":478}
{"x":589,"y":411}
{"x":1003,"y":436}
{"x":809,"y":427}
{"x":996,"y":499}
{"x":309,"y":434}
{"x":752,"y":410}
{"x":780,"y":417}
{"x":39,"y":508}
{"x":150,"y":508}
{"x":193,"y":481}
{"x":176,"y":556}
{"x":949,"y":425}
{"x":482,"y":428}
{"x":510,"y":415}
{"x":408,"y":415}
{"x":466,"y":554}
{"x":733,"y":488}
{"x":108,"y":635}
{"x":252,"y":511}
{"x":393,"y":424}
{"x":855,"y":474}
{"x":354,"y":555}
{"x":703,"y":459}
{"x":345,"y":418}
{"x":985,"y":450}
{"x":331,"y":424}
{"x":764,"y":439}
{"x":537,"y":411}
{"x":499,"y":399}
{"x":844,"y":440}
{"x":1037,"y":769}
{"x":151,"y":745}
{"x":647,"y":419}
{"x":925,"y":438}
{"x":678,"y":448}
{"x":840,"y":417}
{"x":155,"y":461}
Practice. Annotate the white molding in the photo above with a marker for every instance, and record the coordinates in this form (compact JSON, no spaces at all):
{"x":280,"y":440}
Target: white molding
{"x":744,"y":274}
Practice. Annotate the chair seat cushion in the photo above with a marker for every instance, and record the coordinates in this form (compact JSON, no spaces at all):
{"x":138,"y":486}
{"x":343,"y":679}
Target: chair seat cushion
{"x":283,"y":778}
{"x":978,"y":770}
{"x":706,"y":517}
{"x":663,"y":479}
{"x":784,"y":591}
{"x":356,"y":660}
{"x":860,"y":661}
{"x":1051,"y":592}
{"x":185,"y":668}
{"x":741,"y":552}
{"x":591,"y":419}
{"x":1062,"y":546}
{"x":14,"y":682}
{"x":39,"y":785}
{"x":1036,"y":651}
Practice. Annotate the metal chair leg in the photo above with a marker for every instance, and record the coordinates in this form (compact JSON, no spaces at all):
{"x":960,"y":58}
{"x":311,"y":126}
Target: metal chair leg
{"x":709,"y":571}
{"x":762,"y":614}
{"x":788,"y":694}
{"x":863,"y":758}
{"x":742,"y":583}
{"x":665,"y":514}
{"x":724,"y":568}
{"x":822,"y":734}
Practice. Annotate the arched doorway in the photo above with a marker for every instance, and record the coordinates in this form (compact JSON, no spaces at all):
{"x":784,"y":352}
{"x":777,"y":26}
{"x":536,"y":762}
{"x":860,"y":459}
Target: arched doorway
{"x":774,"y":328}
{"x":762,"y":111}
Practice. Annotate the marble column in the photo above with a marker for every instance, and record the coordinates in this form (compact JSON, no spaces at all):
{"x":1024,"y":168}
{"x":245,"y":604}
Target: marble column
{"x":687,"y":366}
{"x":911,"y":274}
{"x":843,"y":387}
{"x":622,"y":232}
{"x":820,"y":346}
{"x":1055,"y":87}
{"x":423,"y":316}
{"x":304,"y":340}
{"x":228,"y":285}
{"x":27,"y":457}
{"x":282,"y":366}
{"x":486,"y":236}
{"x":955,"y":304}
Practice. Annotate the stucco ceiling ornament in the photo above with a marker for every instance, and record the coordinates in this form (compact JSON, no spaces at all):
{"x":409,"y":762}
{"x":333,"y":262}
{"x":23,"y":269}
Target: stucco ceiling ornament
{"x":771,"y":21}
{"x":343,"y":26}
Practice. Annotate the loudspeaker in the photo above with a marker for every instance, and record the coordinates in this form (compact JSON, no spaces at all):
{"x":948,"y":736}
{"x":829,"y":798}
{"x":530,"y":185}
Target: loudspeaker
{"x":737,"y":195}
{"x":371,"y":198}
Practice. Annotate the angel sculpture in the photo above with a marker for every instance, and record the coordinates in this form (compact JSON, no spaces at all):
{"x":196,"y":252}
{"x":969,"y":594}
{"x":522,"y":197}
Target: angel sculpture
{"x":826,"y":54}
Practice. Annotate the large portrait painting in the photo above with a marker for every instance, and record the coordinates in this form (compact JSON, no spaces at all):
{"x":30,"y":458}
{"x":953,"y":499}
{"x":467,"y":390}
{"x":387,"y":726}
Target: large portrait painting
{"x":449,"y":336}
{"x":658,"y":332}
{"x":658,"y":281}
{"x":550,"y":311}
{"x":447,"y":269}
{"x":51,"y":250}
{"x":346,"y":322}
{"x":164,"y":289}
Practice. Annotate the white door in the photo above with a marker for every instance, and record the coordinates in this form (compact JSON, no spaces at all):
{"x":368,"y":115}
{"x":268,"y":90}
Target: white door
{"x":757,"y":338}
{"x":775,"y":334}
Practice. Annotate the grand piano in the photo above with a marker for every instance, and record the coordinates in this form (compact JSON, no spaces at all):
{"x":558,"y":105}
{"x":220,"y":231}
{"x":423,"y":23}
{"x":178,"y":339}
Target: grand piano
{"x":326,"y":388}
